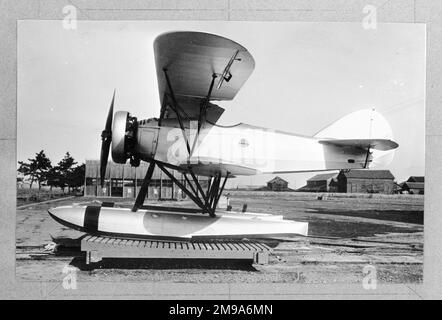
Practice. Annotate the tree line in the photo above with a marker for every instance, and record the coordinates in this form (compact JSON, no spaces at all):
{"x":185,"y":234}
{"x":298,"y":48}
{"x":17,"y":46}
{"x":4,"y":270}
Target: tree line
{"x":67,"y":173}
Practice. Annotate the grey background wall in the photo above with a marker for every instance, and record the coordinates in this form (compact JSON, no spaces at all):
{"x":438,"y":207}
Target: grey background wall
{"x":401,"y":11}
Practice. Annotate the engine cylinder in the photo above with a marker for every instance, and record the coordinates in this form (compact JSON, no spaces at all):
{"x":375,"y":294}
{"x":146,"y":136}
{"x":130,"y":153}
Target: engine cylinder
{"x":124,"y":132}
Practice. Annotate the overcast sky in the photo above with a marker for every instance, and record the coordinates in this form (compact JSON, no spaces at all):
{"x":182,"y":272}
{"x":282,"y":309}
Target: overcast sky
{"x":307,"y":75}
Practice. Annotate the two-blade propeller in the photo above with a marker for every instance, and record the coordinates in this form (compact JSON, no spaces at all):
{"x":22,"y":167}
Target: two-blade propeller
{"x":106,"y":139}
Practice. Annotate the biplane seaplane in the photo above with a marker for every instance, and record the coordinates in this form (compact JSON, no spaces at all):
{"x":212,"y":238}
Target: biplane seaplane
{"x":194,"y":70}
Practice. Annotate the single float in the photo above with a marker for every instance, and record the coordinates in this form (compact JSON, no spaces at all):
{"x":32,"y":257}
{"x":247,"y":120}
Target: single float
{"x":148,"y":224}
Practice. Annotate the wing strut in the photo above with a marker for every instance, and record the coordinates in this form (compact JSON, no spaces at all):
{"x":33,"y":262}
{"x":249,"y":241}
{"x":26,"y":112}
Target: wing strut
{"x":143,"y":189}
{"x":206,"y":200}
{"x":220,"y":192}
{"x":176,"y":108}
{"x":203,"y":110}
{"x":367,"y":156}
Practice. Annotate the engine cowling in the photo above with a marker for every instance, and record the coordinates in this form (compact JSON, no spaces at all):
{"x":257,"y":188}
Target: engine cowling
{"x":124,"y":136}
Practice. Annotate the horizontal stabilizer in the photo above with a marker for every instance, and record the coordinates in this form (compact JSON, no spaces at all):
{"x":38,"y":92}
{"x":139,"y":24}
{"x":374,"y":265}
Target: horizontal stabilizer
{"x":377,"y":144}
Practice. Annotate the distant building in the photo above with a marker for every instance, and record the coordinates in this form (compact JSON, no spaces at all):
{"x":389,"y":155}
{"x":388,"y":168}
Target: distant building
{"x":245,"y":187}
{"x":324,"y":182}
{"x":366,"y":181}
{"x":419,"y":179}
{"x":277,"y":184}
{"x":123,"y":180}
{"x":414,"y":185}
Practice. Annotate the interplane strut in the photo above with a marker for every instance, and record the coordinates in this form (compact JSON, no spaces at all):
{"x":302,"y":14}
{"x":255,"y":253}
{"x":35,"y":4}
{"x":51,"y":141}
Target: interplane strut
{"x":206,"y":200}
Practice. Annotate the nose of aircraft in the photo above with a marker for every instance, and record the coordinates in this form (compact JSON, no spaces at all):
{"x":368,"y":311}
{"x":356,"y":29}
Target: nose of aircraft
{"x":72,"y":217}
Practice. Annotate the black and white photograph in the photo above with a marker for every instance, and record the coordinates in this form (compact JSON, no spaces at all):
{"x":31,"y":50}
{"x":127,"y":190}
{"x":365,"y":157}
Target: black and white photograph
{"x":220,"y":152}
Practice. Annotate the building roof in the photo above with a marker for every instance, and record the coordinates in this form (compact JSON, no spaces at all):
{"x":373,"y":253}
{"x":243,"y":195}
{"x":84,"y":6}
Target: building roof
{"x":277,"y":179}
{"x":369,"y":174}
{"x":416,"y":179}
{"x":414,"y":185}
{"x":323,"y":176}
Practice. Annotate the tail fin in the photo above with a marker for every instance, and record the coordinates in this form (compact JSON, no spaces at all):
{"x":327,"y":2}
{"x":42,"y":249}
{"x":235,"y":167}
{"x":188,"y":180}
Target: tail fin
{"x":366,"y":124}
{"x":362,"y":124}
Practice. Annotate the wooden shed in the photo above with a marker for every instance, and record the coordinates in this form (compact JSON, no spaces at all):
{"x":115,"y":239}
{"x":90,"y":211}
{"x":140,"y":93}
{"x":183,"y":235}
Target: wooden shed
{"x":323,"y":182}
{"x":414,"y":185}
{"x":366,"y":181}
{"x":277,"y":184}
{"x":419,"y":179}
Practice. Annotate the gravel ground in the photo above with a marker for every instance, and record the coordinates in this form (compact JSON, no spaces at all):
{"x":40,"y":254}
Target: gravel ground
{"x":345,"y":235}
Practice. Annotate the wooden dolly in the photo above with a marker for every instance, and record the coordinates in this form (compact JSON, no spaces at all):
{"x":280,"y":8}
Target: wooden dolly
{"x":98,"y":247}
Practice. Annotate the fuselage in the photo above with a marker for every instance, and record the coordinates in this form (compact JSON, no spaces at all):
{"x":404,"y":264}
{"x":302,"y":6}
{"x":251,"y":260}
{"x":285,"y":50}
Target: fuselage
{"x":257,"y":149}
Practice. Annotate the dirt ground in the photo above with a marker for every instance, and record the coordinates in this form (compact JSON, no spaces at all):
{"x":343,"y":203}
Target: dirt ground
{"x":346,"y":233}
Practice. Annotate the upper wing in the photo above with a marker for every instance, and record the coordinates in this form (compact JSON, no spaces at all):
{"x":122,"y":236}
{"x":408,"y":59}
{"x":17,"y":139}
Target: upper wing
{"x":190,"y":60}
{"x":377,"y":144}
